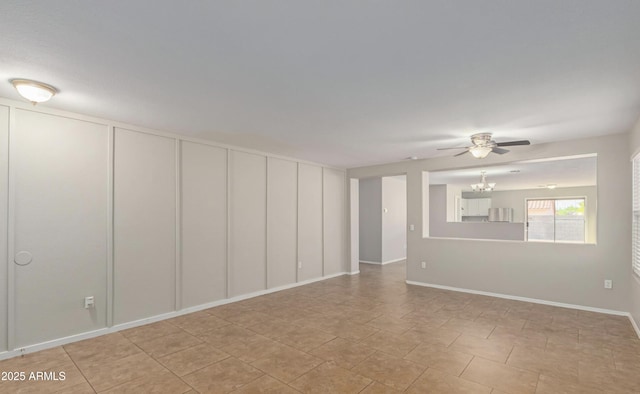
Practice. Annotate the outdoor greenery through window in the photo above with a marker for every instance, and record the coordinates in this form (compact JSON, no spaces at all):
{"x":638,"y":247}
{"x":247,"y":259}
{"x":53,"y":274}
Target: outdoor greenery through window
{"x":556,"y":220}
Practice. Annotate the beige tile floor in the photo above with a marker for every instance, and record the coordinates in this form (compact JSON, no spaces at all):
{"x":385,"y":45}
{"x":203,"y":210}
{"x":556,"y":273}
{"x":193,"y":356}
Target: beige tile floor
{"x":369,"y":333}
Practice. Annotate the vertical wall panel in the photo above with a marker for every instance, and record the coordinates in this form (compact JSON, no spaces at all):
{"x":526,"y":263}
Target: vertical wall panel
{"x":248,"y":200}
{"x":144,"y":225}
{"x":4,"y":190}
{"x":354,"y":225}
{"x":204,"y":223}
{"x":309,"y":221}
{"x":282,"y":221}
{"x":335,"y":225}
{"x":60,"y":178}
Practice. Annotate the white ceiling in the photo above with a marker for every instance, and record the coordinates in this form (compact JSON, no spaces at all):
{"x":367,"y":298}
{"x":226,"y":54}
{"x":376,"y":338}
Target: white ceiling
{"x":347,"y":83}
{"x":563,"y":172}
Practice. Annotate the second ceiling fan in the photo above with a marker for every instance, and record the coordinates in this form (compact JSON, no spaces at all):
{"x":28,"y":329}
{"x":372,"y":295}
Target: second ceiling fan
{"x":483,"y":145}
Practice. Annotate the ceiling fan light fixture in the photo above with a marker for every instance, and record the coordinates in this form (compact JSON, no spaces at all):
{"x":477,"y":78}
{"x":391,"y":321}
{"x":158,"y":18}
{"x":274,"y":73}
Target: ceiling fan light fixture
{"x":35,"y":92}
{"x":480,"y":152}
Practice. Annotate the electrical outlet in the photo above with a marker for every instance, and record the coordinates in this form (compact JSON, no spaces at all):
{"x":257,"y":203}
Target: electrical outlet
{"x":299,"y":264}
{"x":424,"y":264}
{"x":608,"y":284}
{"x":412,"y":227}
{"x":88,"y":302}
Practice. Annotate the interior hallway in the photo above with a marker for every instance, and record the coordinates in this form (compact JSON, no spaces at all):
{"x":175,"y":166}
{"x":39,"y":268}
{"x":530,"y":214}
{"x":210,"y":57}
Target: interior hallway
{"x":368,"y":333}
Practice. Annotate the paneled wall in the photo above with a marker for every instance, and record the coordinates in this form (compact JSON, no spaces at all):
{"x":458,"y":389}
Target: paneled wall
{"x":59,"y":172}
{"x":4,"y":182}
{"x":148,"y":224}
{"x":282,"y":221}
{"x":310,"y":237}
{"x":144,"y":225}
{"x":204,"y":223}
{"x":334,"y":221}
{"x":248,"y":213}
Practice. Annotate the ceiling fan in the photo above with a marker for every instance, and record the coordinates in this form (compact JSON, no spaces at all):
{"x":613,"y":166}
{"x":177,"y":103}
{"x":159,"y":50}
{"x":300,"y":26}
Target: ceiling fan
{"x":483,"y":145}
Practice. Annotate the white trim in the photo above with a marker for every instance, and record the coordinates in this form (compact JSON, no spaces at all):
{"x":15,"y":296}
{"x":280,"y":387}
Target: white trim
{"x":110,"y":226}
{"x":322,"y":217}
{"x":353,"y":273}
{"x":5,"y":261}
{"x":119,"y":327}
{"x":11,"y":202}
{"x":178,"y":225}
{"x":532,"y":300}
{"x":634,"y":325}
{"x":227,"y":251}
{"x":509,"y":240}
{"x":383,"y":262}
{"x":393,"y":261}
{"x":554,"y":198}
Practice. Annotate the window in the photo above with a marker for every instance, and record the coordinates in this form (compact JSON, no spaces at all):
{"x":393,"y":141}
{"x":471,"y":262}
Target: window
{"x":556,"y":220}
{"x":635,"y":241}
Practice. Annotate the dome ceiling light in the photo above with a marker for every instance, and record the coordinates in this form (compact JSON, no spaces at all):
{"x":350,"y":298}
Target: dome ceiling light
{"x":35,"y":92}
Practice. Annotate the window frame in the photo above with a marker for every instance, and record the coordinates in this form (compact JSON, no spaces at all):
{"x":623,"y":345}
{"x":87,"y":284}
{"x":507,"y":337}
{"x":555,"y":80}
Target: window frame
{"x":585,"y":221}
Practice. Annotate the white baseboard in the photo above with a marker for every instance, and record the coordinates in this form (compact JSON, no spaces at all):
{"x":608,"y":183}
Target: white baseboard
{"x":383,"y":262}
{"x":532,"y":300}
{"x":354,"y":272}
{"x":393,"y":261}
{"x":119,"y":327}
{"x":635,"y":326}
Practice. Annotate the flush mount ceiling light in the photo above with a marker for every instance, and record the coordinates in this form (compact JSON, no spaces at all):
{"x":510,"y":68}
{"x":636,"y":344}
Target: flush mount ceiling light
{"x":483,"y":186}
{"x":36,"y":92}
{"x":551,"y":186}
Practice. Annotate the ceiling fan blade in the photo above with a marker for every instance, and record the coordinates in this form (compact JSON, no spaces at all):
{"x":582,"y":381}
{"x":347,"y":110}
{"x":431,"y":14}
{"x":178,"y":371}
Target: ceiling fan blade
{"x":461,"y":153}
{"x":457,"y":147}
{"x":514,"y":143}
{"x":499,"y":151}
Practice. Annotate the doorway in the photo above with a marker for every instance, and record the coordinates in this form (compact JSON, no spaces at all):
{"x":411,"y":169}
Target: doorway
{"x":382,"y":221}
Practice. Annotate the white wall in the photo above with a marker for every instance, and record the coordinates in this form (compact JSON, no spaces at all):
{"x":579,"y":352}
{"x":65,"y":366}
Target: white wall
{"x":4,"y":196}
{"x":310,"y":235}
{"x":334,"y":210}
{"x":59,"y":211}
{"x":354,"y":225}
{"x":371,"y":220}
{"x":203,"y":204}
{"x":282,"y":221}
{"x":564,"y":273}
{"x":248,"y":223}
{"x":634,"y":144}
{"x":190,"y":224}
{"x":144,"y":225}
{"x":394,"y":218}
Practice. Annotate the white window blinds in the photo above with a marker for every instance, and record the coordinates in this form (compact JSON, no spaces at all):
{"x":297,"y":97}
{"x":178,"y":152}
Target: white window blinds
{"x":636,"y":215}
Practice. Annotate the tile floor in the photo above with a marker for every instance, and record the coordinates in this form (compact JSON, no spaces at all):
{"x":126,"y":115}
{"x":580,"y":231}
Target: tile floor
{"x":369,"y":333}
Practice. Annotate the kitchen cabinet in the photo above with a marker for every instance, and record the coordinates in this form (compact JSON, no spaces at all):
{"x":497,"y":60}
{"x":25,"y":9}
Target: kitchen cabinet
{"x":475,"y":206}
